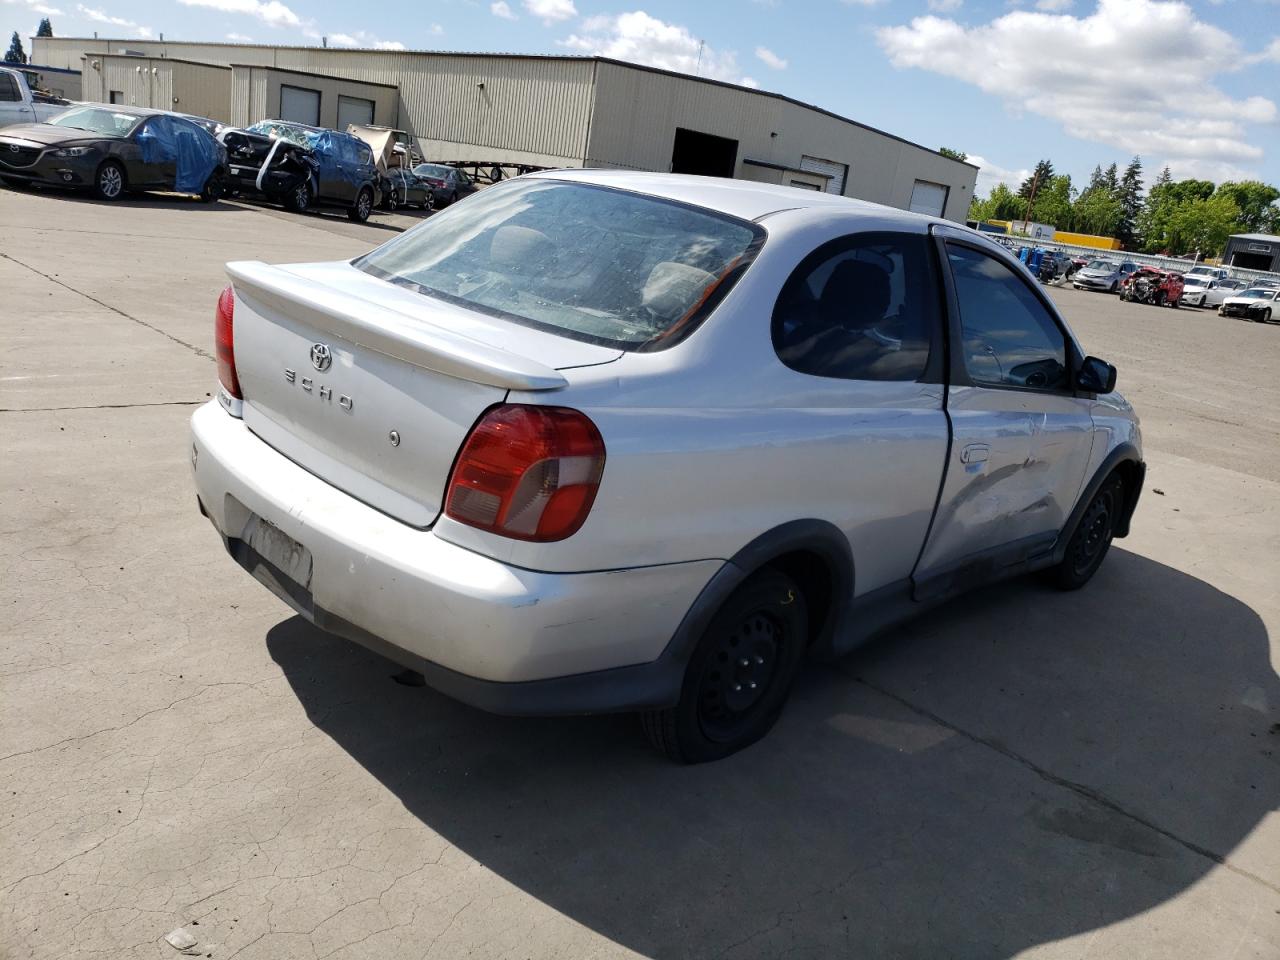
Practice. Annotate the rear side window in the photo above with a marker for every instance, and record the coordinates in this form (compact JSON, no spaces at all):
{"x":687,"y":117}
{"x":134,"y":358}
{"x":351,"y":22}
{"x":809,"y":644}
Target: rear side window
{"x":864,"y":307}
{"x":8,"y":89}
{"x":589,"y":262}
{"x":1009,"y":339}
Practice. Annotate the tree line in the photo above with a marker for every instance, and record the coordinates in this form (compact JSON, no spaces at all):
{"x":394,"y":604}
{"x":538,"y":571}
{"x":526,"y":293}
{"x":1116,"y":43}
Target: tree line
{"x":1174,"y":216}
{"x":16,"y":53}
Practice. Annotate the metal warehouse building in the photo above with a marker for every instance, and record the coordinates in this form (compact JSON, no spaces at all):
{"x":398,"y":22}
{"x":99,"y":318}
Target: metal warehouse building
{"x":1253,"y":251}
{"x":552,"y":111}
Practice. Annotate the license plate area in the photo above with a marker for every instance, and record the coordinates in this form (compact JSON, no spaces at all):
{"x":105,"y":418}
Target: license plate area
{"x":279,"y":549}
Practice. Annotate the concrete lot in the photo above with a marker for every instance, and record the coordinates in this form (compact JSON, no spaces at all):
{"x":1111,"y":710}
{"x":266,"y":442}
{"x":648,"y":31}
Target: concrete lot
{"x":1021,"y":773}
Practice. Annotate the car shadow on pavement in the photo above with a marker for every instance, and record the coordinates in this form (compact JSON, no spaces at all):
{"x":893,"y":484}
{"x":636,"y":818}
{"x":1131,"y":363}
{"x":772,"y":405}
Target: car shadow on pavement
{"x":1016,"y":767}
{"x":149,"y":201}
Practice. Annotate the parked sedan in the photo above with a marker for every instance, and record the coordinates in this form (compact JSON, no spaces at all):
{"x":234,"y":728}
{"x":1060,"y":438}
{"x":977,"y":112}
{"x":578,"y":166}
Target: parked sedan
{"x":1256,"y":303}
{"x":598,"y":441}
{"x":1105,"y":275}
{"x":404,"y":188}
{"x":448,"y":184}
{"x":1203,"y":292}
{"x":114,"y":150}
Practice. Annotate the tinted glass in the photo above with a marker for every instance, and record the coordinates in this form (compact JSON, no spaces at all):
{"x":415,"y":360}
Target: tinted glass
{"x":1008,"y":337}
{"x":861,"y":308}
{"x":8,"y":89}
{"x":596,"y":264}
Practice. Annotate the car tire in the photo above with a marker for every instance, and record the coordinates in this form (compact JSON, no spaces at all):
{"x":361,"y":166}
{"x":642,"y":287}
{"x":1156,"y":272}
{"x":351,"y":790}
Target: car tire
{"x":1266,"y":316}
{"x":1173,"y":303}
{"x":360,"y":210}
{"x":391,"y":201}
{"x":1201,"y":303}
{"x":109,"y":181}
{"x":740,"y":673}
{"x":1157,"y":298}
{"x":298,"y":199}
{"x":215,"y":188}
{"x":1092,"y":537}
{"x":1115,"y":287}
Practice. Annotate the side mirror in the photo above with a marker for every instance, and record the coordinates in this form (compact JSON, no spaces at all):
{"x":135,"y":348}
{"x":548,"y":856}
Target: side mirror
{"x":1096,"y":376}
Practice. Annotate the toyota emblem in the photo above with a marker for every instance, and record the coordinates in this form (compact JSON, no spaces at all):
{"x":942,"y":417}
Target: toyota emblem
{"x":321,"y":356}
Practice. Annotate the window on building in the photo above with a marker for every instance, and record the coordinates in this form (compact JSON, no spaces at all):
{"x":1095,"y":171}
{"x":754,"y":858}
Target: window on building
{"x":115,"y":96}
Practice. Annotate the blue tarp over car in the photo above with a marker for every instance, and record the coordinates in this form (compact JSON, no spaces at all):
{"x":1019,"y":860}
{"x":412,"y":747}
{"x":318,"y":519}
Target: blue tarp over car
{"x":193,"y":150}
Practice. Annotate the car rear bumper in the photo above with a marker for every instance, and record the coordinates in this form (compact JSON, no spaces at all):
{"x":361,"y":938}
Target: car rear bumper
{"x":502,"y":638}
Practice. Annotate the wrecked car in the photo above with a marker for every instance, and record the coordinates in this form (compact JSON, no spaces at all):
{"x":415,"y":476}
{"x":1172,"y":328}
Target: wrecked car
{"x":301,"y":167}
{"x":1160,"y":288}
{"x":112,"y":151}
{"x":596,"y":441}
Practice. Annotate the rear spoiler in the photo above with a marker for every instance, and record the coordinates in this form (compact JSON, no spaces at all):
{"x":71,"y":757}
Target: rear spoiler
{"x":271,"y":290}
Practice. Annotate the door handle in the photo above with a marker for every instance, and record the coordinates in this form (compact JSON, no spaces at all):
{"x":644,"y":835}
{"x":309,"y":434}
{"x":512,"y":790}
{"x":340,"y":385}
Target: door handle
{"x":975,"y":453}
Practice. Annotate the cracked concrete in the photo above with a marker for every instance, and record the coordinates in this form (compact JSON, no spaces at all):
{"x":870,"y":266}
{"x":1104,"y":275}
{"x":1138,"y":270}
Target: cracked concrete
{"x":1021,"y":773}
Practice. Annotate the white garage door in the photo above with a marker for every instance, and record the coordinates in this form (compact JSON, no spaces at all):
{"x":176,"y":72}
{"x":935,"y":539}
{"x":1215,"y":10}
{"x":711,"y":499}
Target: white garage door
{"x":828,"y":168}
{"x":300,"y":105}
{"x":354,"y":110}
{"x":930,"y":198}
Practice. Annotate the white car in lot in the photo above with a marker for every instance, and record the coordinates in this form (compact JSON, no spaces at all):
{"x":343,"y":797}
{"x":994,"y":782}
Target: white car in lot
{"x":601,"y":441}
{"x":1203,"y":291}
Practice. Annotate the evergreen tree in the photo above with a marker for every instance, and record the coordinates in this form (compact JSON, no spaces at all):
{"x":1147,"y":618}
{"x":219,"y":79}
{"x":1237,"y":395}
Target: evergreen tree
{"x":1130,"y":197}
{"x":1111,"y":179}
{"x":1040,"y":176}
{"x":1096,"y":183}
{"x":16,"y":54}
{"x":45,"y":29}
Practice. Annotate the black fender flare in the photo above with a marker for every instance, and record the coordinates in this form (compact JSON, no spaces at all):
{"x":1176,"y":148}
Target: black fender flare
{"x":819,"y":537}
{"x":1123,"y":453}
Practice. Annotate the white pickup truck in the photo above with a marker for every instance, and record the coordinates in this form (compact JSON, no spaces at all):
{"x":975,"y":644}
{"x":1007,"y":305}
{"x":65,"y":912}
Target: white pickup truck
{"x":19,"y":104}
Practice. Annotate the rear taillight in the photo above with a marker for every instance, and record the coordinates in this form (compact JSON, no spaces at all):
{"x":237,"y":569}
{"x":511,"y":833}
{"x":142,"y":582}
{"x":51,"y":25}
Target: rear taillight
{"x":525,"y":472}
{"x":224,"y":344}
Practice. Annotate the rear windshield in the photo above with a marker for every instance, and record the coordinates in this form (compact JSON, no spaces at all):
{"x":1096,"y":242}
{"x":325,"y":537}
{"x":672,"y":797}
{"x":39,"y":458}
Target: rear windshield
{"x":593,"y":263}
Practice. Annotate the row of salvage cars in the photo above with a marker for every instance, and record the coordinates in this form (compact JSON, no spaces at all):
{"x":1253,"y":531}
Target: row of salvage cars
{"x":1201,"y":286}
{"x":111,"y":150}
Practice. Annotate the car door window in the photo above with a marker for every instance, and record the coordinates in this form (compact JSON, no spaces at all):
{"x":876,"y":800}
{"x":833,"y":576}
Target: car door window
{"x":1008,"y":337}
{"x":8,"y":89}
{"x":864,"y":307}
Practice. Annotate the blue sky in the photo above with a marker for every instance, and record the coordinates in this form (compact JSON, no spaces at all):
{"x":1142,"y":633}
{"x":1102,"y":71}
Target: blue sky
{"x":1194,"y":85}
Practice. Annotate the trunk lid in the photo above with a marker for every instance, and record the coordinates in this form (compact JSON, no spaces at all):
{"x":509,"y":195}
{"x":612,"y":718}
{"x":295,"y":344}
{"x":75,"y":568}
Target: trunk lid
{"x":373,"y":387}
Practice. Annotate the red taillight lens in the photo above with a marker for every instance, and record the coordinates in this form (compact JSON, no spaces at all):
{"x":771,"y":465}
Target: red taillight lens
{"x":224,"y":344}
{"x":530,"y":473}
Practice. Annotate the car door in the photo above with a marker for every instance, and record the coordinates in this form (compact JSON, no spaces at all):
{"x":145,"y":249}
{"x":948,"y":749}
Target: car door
{"x":859,"y":329}
{"x":148,"y":154}
{"x":13,"y":108}
{"x":1021,"y":438}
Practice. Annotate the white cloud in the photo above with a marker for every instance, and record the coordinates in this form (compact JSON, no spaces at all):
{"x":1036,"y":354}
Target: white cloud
{"x":990,"y":174}
{"x":239,"y":38}
{"x":640,"y":38}
{"x":36,"y":6}
{"x":945,"y":6}
{"x":503,"y":10}
{"x":271,"y":12}
{"x":1054,"y":6}
{"x":363,"y":39}
{"x":551,"y":11}
{"x":1135,"y":74}
{"x":770,"y":59}
{"x":435,"y":30}
{"x":750,"y":82}
{"x":101,"y":16}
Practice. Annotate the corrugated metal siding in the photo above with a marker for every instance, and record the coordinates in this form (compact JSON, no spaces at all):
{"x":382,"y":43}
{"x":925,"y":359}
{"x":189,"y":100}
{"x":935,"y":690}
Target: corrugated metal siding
{"x":203,"y":91}
{"x":637,"y":112}
{"x":529,"y":110}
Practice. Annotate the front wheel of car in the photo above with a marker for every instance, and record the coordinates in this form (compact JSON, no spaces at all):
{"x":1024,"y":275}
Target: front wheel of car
{"x":109,"y":182}
{"x":1201,"y":303}
{"x":1092,"y":537}
{"x":740,"y":674}
{"x":391,"y":201}
{"x":1115,"y":286}
{"x":298,"y":199}
{"x":360,"y":210}
{"x":1266,"y":315}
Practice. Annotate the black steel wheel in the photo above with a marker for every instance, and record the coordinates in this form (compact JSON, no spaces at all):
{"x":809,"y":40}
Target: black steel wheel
{"x":739,"y":675}
{"x":1092,"y":537}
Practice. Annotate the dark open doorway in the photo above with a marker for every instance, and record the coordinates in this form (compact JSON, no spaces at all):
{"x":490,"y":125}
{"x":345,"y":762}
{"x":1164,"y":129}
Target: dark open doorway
{"x":703,"y":154}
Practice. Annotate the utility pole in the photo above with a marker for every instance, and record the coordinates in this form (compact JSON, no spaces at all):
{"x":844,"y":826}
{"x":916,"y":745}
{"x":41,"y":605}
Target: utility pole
{"x":697,"y":70}
{"x":1031,"y":199}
